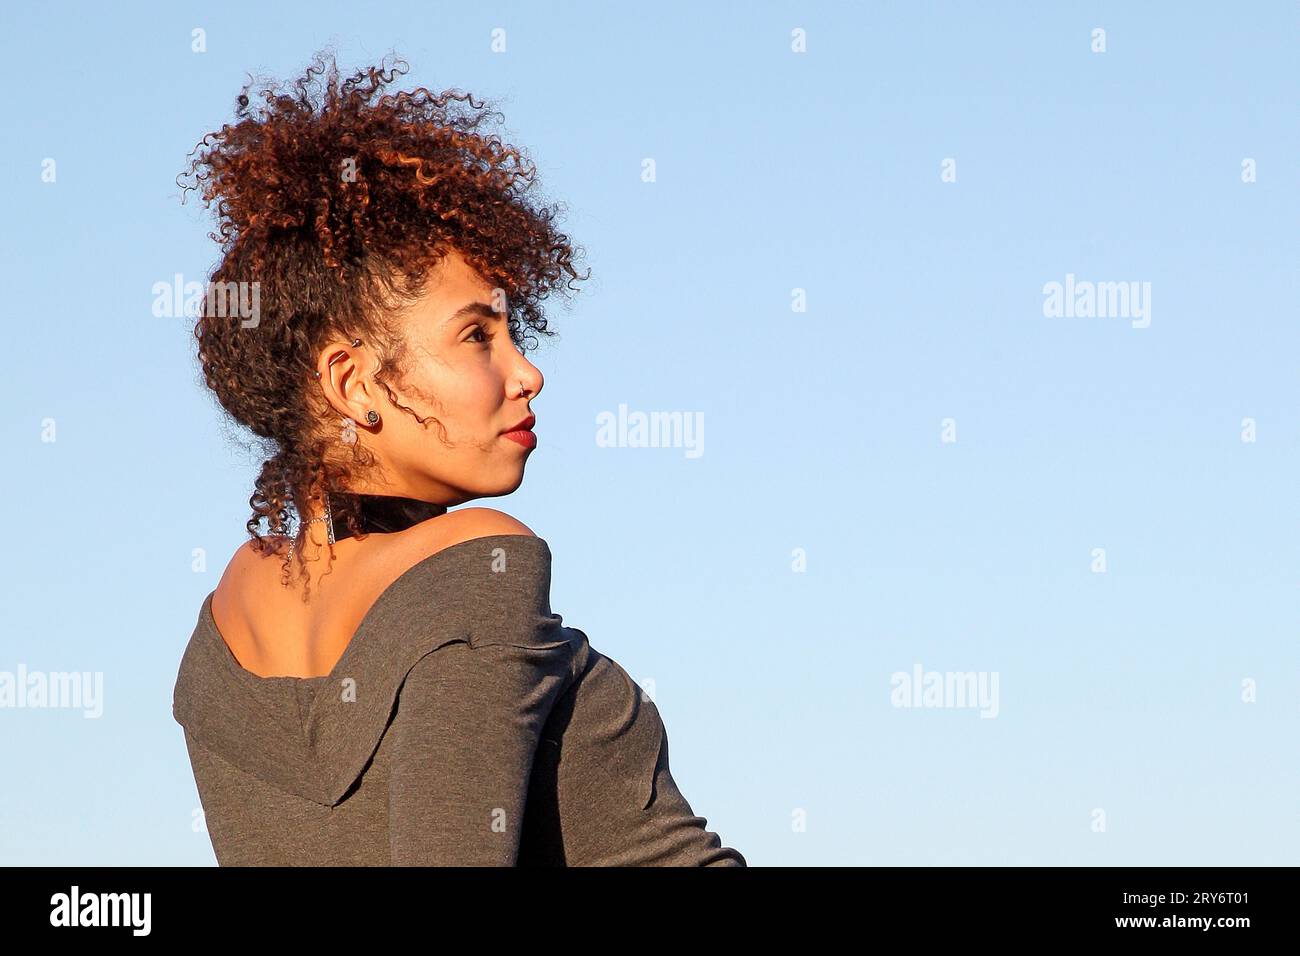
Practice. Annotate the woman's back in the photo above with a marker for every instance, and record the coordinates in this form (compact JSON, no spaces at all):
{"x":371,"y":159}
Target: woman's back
{"x":462,"y":723}
{"x":272,"y":631}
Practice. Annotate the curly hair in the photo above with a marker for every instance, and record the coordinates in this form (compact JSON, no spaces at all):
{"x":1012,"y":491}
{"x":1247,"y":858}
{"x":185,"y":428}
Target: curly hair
{"x":334,"y":202}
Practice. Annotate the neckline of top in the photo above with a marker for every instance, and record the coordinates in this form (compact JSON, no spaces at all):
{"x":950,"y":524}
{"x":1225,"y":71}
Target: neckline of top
{"x":242,"y":673}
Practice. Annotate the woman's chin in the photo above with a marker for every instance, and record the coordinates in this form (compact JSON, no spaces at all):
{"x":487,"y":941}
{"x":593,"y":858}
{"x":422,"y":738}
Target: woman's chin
{"x":516,"y":482}
{"x":508,"y":479}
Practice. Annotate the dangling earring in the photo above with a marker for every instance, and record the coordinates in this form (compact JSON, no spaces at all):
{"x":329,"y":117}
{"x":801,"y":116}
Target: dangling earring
{"x":327,"y":517}
{"x":349,"y":433}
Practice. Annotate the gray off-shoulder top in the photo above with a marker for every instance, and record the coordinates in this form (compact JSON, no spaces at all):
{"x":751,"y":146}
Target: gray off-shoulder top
{"x":464,"y":725}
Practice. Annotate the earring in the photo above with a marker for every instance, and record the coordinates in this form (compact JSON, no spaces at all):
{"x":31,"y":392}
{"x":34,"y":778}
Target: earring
{"x":372,"y":417}
{"x":316,"y":374}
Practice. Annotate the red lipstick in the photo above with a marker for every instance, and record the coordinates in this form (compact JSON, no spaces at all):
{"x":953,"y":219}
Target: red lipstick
{"x":523,"y":432}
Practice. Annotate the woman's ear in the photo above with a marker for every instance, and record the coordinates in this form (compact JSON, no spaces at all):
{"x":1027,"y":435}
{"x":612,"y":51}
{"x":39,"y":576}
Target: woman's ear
{"x":341,"y":370}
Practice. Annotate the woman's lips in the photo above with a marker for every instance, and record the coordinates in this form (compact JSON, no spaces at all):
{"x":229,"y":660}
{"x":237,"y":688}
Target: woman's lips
{"x":524,"y":436}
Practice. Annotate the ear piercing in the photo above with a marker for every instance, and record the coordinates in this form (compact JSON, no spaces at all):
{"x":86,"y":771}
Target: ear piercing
{"x":355,"y":344}
{"x":372,"y":416}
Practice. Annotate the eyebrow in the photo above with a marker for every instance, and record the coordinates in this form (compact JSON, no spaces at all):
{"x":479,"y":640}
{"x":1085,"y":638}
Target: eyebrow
{"x":481,"y":309}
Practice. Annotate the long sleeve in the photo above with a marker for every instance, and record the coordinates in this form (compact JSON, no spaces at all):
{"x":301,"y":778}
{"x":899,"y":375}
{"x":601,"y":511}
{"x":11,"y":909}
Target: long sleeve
{"x":464,"y":737}
{"x":514,"y":742}
{"x":603,"y":793}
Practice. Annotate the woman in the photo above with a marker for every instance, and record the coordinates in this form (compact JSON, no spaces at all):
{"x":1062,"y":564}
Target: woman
{"x":383,"y":681}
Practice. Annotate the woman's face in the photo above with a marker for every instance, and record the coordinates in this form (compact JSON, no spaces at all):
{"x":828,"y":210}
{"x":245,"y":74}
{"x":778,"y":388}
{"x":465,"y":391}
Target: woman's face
{"x":460,"y":368}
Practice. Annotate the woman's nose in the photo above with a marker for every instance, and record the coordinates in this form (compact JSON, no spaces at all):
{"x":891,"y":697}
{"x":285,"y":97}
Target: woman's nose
{"x":529,"y":378}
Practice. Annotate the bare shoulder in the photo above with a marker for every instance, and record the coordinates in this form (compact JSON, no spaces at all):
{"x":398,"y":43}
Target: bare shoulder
{"x":238,"y":567}
{"x":249,"y":558}
{"x":438,"y":534}
{"x":466,"y":524}
{"x":244,"y":573}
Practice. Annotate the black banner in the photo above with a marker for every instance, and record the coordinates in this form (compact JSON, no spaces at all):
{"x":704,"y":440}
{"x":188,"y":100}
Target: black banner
{"x":1226,"y":905}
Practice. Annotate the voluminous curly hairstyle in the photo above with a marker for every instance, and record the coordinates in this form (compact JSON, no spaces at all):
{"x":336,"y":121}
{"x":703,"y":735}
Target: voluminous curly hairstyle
{"x":338,"y":201}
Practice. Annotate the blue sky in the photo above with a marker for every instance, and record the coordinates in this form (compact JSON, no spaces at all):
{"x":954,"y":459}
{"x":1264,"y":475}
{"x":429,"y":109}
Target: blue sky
{"x":828,"y":537}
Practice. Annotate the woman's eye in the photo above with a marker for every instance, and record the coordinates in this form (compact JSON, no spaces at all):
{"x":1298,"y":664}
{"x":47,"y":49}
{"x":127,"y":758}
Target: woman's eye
{"x":481,"y":332}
